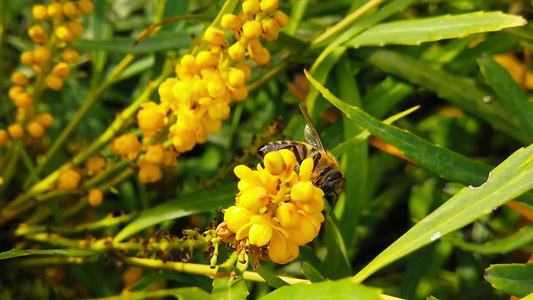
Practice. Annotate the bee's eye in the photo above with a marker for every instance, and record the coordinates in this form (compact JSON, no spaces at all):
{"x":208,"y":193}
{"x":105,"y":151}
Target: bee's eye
{"x":335,"y":176}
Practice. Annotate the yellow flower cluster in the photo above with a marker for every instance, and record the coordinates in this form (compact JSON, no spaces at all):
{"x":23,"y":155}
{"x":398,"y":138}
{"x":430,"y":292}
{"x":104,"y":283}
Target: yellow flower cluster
{"x":277,"y":209}
{"x":198,"y":97}
{"x":44,"y":62}
{"x":155,"y":156}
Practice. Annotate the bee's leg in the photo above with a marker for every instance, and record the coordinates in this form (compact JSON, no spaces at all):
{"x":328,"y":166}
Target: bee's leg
{"x":294,"y":150}
{"x":334,"y":202}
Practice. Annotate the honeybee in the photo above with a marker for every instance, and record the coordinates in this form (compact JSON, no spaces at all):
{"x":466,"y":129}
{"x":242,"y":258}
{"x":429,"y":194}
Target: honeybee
{"x":326,"y":174}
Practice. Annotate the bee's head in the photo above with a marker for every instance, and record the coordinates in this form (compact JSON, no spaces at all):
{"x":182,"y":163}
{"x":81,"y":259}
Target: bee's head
{"x":262,"y":151}
{"x":333,"y":183}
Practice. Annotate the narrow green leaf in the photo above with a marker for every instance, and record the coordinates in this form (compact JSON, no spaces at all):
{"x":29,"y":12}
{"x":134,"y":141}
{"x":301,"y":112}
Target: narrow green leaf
{"x":56,"y":252}
{"x":338,"y":290}
{"x":381,"y":99}
{"x":162,"y":42}
{"x":521,"y":238}
{"x":271,"y":279}
{"x":311,"y":273}
{"x":442,"y":161}
{"x":415,"y":32}
{"x":336,"y":264}
{"x":192,"y":293}
{"x":197,"y":202}
{"x":458,"y":91}
{"x":509,"y":92}
{"x":230,"y":288}
{"x":513,"y":279}
{"x":508,"y":180}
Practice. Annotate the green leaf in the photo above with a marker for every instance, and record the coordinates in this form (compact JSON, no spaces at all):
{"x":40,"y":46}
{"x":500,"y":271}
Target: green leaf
{"x":311,"y":273}
{"x":509,"y":92}
{"x":55,"y":252}
{"x":457,"y":91}
{"x":338,"y":290}
{"x":271,"y":279}
{"x":335,"y":264}
{"x":521,"y":238}
{"x":193,"y":203}
{"x":230,"y":287}
{"x":442,"y":161}
{"x":507,"y":181}
{"x":162,"y":42}
{"x":192,"y":293}
{"x":415,"y":32}
{"x":513,"y":279}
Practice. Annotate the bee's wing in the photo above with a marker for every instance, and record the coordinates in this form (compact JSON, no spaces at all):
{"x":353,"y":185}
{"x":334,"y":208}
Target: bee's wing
{"x":310,"y":133}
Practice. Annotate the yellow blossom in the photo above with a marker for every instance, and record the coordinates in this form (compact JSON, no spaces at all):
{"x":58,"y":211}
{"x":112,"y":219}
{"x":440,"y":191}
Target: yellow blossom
{"x":126,"y":145}
{"x":71,"y":56}
{"x":15,"y":130}
{"x":149,"y":172}
{"x":95,"y":165}
{"x":35,"y":129}
{"x":95,"y":197}
{"x":45,"y":119}
{"x":3,"y":137}
{"x":68,"y":179}
{"x":39,"y":13}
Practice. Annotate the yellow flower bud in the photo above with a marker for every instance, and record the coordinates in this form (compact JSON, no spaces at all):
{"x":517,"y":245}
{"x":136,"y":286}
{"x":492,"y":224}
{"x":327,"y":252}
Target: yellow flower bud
{"x":206,"y":59}
{"x":287,"y":214}
{"x":3,"y":137}
{"x":236,"y":216}
{"x":37,"y":34}
{"x":302,"y":192}
{"x":251,"y":7}
{"x":216,"y":88}
{"x":261,"y":231}
{"x":281,"y":18}
{"x":68,"y":179}
{"x":231,"y":22}
{"x":281,"y":250}
{"x":76,"y":28}
{"x":253,"y":199}
{"x":255,"y":47}
{"x":45,"y":119}
{"x":55,"y":10}
{"x":263,"y":58}
{"x":36,"y":68}
{"x":41,"y":54}
{"x":289,"y":158}
{"x":305,"y":232}
{"x":269,"y":6}
{"x":237,"y":52}
{"x":95,"y":165}
{"x":219,"y":111}
{"x":246,"y":174}
{"x":306,"y":169}
{"x":316,"y":205}
{"x":19,"y":78}
{"x":236,"y":78}
{"x":252,"y":29}
{"x":215,"y":36}
{"x":71,"y":10}
{"x":61,"y":69}
{"x":239,"y":94}
{"x":274,"y":163}
{"x":188,"y":63}
{"x":53,"y":82}
{"x":126,"y":145}
{"x":149,"y":172}
{"x":71,"y":56}
{"x":15,"y":130}
{"x":14,"y":91}
{"x":35,"y":129}
{"x":95,"y":197}
{"x":38,"y":12}
{"x":86,"y":6}
{"x":246,"y":69}
{"x":23,"y":100}
{"x":155,"y":154}
{"x":26,"y":58}
{"x":65,"y":34}
{"x":149,"y":119}
{"x":271,"y":28}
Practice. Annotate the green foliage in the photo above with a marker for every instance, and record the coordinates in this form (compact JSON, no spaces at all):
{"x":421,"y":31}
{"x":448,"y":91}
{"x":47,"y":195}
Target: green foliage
{"x":513,"y":279}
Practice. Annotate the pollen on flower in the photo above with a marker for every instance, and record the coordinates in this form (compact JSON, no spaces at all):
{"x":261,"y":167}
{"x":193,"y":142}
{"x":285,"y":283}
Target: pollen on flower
{"x":266,"y":214}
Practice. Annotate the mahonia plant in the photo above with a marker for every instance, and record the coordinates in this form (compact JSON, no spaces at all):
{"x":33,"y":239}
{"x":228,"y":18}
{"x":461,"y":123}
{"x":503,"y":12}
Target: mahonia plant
{"x":275,"y":211}
{"x":47,"y":63}
{"x":195,"y":102}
